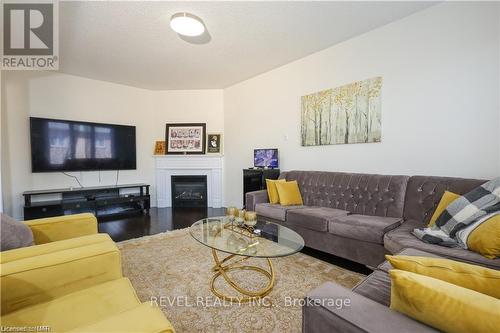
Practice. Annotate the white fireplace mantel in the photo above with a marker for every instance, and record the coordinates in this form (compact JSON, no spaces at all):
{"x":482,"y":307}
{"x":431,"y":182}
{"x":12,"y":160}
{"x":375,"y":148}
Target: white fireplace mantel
{"x":188,"y":165}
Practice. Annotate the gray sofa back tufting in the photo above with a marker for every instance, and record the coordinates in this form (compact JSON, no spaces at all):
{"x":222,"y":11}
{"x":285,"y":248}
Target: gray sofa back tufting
{"x":424,"y":193}
{"x":366,"y":194}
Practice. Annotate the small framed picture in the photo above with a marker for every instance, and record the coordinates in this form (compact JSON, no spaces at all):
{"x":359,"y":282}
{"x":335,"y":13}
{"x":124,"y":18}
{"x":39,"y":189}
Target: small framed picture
{"x":214,"y":143}
{"x":160,"y":148}
{"x":185,"y":138}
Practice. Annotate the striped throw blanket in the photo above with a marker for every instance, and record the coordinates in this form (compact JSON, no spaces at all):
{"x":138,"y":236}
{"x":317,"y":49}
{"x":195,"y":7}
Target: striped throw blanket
{"x":471,"y":209}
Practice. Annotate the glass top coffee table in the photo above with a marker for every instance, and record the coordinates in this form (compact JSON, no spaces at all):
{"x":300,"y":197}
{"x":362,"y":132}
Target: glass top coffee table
{"x":263,"y":240}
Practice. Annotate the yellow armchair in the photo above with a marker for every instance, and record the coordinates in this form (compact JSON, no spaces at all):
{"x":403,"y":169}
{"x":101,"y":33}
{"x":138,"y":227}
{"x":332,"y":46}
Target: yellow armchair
{"x":71,"y":280}
{"x":68,"y":255}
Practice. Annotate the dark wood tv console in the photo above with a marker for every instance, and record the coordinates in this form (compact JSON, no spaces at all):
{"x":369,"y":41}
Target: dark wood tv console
{"x":102,"y":201}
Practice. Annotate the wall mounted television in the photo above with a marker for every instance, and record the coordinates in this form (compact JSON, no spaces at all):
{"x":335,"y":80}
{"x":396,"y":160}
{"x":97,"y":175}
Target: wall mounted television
{"x":265,"y":158}
{"x":66,"y":145}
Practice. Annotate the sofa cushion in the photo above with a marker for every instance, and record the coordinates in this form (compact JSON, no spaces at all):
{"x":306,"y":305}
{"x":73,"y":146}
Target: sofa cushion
{"x":144,"y":318}
{"x":289,"y":193}
{"x":483,"y":237}
{"x":272,"y":191}
{"x":314,"y":218}
{"x":446,"y":200}
{"x":14,"y":234}
{"x":274,"y":211}
{"x":386,"y":265}
{"x":481,"y":279}
{"x":78,"y":308}
{"x":377,"y":287}
{"x":363,"y":227}
{"x":401,"y":237}
{"x":443,"y":305}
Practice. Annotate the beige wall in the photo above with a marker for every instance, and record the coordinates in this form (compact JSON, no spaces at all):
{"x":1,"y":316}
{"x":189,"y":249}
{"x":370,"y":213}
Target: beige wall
{"x":54,"y":95}
{"x":440,"y":100}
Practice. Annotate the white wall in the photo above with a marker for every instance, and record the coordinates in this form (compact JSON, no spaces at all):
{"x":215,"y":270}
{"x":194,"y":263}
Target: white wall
{"x":440,"y":100}
{"x":1,"y":108}
{"x":440,"y":107}
{"x":63,"y":96}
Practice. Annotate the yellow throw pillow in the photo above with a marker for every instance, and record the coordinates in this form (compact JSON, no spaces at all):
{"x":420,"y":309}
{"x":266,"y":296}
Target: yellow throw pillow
{"x":443,"y":305}
{"x":480,"y":279}
{"x":485,"y":239}
{"x":272,"y":192}
{"x":289,"y":193}
{"x":446,"y":200}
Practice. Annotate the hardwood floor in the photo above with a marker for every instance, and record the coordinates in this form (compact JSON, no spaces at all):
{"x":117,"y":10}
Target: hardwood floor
{"x":160,"y":220}
{"x":164,"y":219}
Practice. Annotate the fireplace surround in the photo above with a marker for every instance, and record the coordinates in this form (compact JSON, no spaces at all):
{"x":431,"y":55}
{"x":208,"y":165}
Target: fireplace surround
{"x":189,"y":165}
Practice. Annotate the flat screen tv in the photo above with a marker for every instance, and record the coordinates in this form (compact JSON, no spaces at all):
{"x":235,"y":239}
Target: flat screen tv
{"x":65,"y":145}
{"x":265,"y":158}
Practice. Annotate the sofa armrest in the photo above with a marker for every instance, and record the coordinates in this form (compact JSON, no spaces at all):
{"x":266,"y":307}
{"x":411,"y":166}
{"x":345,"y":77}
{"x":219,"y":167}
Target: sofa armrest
{"x":333,"y":308}
{"x":255,"y":197}
{"x":41,"y":278}
{"x":62,"y":227}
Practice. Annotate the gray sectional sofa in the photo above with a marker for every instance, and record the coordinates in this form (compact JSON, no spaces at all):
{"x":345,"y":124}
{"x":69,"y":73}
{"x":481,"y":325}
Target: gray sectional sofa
{"x":362,"y":217}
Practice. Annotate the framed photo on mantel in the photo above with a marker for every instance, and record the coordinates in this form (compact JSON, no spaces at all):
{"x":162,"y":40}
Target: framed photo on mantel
{"x":214,"y":143}
{"x":185,"y":138}
{"x":160,"y":148}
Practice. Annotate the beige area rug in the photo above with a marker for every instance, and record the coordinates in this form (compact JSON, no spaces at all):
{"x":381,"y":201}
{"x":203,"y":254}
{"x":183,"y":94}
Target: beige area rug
{"x":175,"y":270}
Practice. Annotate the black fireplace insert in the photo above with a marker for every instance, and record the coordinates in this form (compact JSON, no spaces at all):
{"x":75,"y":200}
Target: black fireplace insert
{"x":189,"y":191}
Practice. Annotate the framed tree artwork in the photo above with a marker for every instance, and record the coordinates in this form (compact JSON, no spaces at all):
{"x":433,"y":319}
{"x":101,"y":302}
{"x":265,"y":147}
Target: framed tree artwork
{"x":342,"y":115}
{"x":185,"y":138}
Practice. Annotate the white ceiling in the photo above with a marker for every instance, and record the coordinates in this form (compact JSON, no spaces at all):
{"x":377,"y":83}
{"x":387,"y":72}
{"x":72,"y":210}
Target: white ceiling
{"x":131,"y":42}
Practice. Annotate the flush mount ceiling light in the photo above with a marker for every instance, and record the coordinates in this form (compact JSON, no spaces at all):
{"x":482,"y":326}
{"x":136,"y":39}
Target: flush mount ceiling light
{"x":187,"y":24}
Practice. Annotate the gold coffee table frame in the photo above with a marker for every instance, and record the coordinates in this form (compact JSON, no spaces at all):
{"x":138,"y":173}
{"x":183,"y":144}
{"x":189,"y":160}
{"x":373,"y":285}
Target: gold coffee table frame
{"x":221,"y":270}
{"x":214,"y":232}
